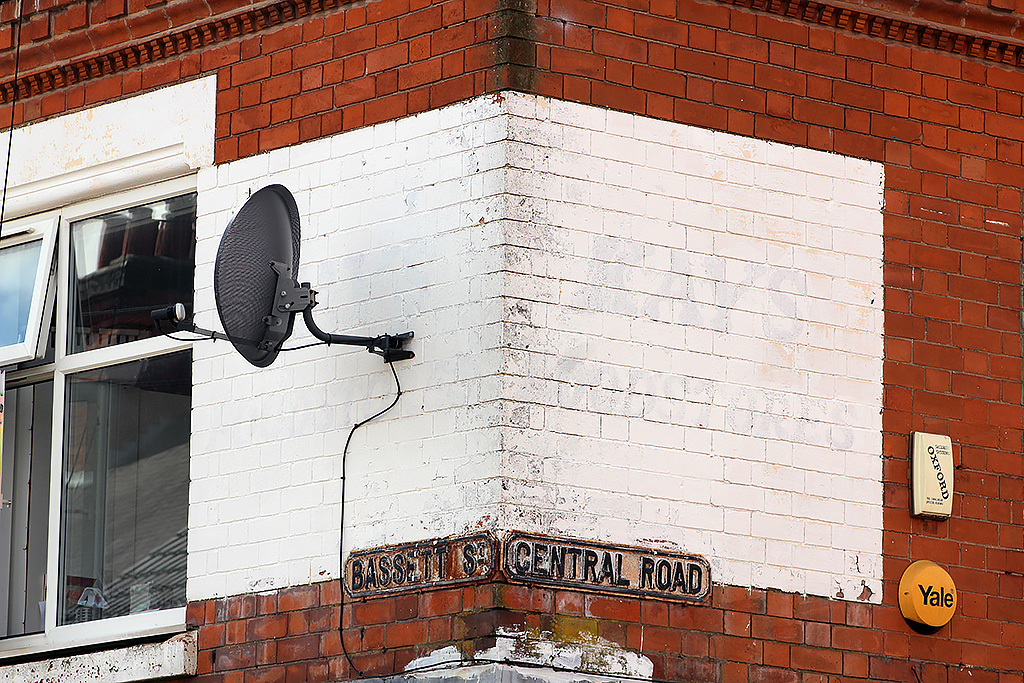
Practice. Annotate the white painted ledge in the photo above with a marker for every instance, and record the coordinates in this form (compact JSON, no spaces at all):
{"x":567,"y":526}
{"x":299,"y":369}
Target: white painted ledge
{"x":152,"y":661}
{"x":134,"y":141}
{"x":95,"y":181}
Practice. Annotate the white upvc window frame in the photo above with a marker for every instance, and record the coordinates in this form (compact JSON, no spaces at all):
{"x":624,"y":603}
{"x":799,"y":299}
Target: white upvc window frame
{"x":16,"y":233}
{"x":143,"y":624}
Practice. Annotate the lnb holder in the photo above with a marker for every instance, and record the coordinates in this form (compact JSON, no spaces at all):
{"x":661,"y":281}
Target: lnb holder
{"x":389,"y":346}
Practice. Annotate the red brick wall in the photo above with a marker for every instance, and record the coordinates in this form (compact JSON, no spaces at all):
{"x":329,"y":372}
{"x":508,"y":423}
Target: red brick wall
{"x":741,"y":635}
{"x":948,"y":129}
{"x":288,"y":635}
{"x":942,"y":112}
{"x":352,"y":68}
{"x":288,"y":70}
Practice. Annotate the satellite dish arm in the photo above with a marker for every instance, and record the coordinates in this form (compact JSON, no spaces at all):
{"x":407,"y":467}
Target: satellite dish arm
{"x":389,"y":346}
{"x":291,"y":298}
{"x":329,"y":338}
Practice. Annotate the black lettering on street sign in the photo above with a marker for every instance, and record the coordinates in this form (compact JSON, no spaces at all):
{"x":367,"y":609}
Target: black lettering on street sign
{"x":606,"y":568}
{"x":420,"y":566}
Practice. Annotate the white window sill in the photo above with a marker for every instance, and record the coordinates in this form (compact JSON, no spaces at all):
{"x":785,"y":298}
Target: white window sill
{"x":175,"y":657}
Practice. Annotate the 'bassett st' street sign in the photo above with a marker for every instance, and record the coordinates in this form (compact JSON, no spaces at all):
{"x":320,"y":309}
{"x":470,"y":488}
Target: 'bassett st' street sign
{"x":427,"y":564}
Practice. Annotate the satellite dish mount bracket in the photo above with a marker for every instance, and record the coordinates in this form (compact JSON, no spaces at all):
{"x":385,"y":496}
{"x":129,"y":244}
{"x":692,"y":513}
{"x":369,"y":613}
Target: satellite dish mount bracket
{"x":293,"y":298}
{"x":290,"y":299}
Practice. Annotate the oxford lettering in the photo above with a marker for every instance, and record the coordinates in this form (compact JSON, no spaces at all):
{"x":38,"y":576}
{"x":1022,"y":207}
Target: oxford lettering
{"x":939,"y":476}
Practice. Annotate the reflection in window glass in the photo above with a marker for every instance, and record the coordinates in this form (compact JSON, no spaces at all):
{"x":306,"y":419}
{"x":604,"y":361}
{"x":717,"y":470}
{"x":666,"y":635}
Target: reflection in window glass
{"x":125,"y":499}
{"x":125,"y":264}
{"x":18,"y":265}
{"x":25,"y":484}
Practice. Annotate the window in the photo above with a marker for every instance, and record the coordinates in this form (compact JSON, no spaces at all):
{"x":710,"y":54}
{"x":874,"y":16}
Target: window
{"x":125,"y":479}
{"x":26,"y":262}
{"x":95,"y":461}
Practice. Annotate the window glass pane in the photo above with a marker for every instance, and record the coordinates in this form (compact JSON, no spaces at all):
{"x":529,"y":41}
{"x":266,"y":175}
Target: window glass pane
{"x":125,"y":502}
{"x":18,"y":266}
{"x":125,"y":264}
{"x":25,"y":483}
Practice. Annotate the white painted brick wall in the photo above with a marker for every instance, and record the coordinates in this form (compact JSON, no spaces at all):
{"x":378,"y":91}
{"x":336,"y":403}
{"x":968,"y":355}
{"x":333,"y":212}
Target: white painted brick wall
{"x":399,"y":233}
{"x":626,"y":330}
{"x":731,"y":362}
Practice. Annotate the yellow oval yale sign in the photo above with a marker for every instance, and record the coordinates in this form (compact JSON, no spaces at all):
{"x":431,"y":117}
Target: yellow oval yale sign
{"x":927,"y":594}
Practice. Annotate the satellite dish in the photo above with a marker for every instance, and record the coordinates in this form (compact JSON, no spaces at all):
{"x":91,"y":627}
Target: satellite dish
{"x":255,"y":289}
{"x":263,"y":235}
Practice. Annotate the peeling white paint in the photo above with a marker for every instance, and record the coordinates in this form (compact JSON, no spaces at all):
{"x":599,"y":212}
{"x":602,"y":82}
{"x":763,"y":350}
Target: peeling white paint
{"x":499,"y":673}
{"x":437,"y":658}
{"x":177,"y":656}
{"x":589,"y":654}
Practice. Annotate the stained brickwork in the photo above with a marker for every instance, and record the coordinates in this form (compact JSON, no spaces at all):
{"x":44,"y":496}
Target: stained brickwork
{"x":946,"y":129}
{"x":740,"y":635}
